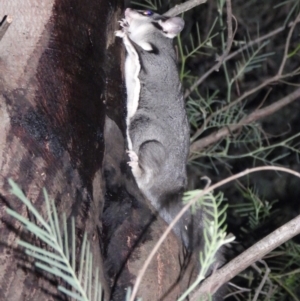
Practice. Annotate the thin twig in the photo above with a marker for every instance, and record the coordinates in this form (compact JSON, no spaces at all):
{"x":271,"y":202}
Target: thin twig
{"x":241,"y":262}
{"x":4,"y":25}
{"x":264,"y":99}
{"x":258,"y":114}
{"x":263,"y":281}
{"x":287,"y":45}
{"x":187,"y":206}
{"x":181,"y":8}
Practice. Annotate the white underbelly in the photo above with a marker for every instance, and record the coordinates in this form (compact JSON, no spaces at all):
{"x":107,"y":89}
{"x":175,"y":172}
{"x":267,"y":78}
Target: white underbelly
{"x":133,"y":86}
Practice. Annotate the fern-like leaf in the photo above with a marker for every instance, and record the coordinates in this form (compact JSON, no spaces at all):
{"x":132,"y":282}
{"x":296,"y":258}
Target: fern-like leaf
{"x":56,"y":261}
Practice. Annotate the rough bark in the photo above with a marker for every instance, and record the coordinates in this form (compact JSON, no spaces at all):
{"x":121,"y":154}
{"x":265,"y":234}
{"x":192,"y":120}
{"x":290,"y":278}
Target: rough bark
{"x":53,"y":62}
{"x":60,"y":76}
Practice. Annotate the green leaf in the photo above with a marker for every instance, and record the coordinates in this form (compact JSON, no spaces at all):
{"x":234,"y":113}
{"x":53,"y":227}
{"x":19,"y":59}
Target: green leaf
{"x":18,"y":193}
{"x":71,"y":294}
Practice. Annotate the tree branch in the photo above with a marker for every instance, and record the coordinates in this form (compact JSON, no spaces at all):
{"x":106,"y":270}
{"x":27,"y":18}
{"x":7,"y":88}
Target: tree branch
{"x":248,"y":257}
{"x":178,"y":9}
{"x":258,"y":114}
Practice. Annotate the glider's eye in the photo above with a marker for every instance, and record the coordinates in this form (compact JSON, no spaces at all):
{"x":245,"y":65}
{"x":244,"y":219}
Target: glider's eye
{"x":148,"y":13}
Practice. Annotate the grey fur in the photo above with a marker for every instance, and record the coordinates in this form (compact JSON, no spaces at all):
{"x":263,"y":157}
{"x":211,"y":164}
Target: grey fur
{"x":159,"y":129}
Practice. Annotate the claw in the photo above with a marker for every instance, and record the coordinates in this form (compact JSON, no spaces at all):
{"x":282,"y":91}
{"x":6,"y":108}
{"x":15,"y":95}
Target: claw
{"x":123,"y":23}
{"x":124,"y":30}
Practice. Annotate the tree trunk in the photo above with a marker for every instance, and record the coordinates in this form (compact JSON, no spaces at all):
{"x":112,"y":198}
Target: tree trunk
{"x":60,"y":76}
{"x":53,"y":62}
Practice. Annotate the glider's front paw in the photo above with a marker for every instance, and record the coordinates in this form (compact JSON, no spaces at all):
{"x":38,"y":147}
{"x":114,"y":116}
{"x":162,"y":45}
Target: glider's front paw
{"x":123,"y":23}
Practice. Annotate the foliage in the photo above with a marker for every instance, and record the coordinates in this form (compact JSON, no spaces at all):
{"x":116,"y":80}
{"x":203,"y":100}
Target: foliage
{"x":148,"y":4}
{"x":214,"y":232}
{"x":277,"y":276}
{"x":60,"y":257}
{"x":217,"y":111}
{"x":261,"y":68}
{"x":59,"y":260}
